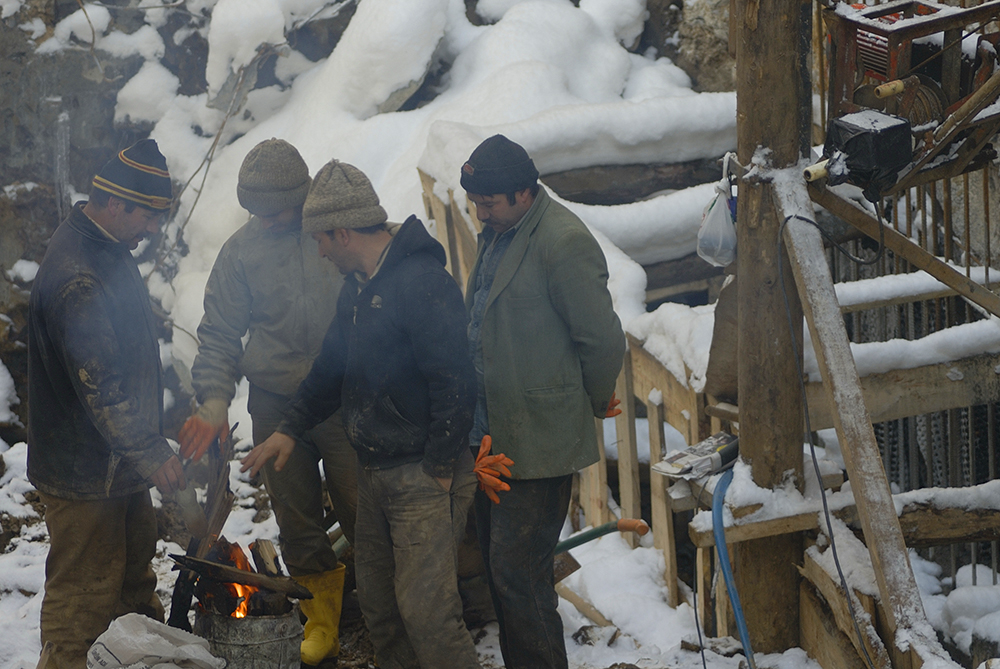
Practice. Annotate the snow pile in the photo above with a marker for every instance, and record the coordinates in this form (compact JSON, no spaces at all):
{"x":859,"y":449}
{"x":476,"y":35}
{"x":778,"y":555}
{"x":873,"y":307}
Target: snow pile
{"x":8,"y":396}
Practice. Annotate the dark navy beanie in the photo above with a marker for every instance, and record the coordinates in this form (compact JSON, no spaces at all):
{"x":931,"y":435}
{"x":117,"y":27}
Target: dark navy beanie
{"x":497,"y":166}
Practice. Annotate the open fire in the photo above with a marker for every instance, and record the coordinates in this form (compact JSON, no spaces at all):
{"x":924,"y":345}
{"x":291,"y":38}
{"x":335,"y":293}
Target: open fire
{"x":234,"y":600}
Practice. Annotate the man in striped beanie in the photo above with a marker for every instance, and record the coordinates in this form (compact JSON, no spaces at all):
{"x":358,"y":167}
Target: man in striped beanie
{"x":95,"y":417}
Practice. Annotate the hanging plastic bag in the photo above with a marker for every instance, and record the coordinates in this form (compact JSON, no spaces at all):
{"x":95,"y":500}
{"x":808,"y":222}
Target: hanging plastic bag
{"x":717,"y":234}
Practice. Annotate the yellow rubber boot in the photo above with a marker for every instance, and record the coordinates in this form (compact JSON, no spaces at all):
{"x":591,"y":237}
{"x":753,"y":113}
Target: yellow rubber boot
{"x":322,"y":633}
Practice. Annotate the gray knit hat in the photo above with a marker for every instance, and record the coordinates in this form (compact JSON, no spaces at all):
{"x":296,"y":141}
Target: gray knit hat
{"x":341,"y":197}
{"x":273,"y":178}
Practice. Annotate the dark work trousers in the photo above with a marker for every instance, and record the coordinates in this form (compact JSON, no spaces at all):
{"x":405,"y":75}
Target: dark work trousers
{"x":518,"y":538}
{"x":296,"y":491}
{"x":406,"y":566}
{"x":98,"y":569}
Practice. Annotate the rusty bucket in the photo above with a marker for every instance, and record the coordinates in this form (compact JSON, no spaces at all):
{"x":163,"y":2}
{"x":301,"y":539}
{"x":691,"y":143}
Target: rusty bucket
{"x":253,"y":642}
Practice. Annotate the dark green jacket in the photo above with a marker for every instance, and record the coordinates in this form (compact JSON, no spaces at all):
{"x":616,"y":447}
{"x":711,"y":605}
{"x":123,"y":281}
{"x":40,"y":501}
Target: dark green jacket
{"x":275,"y":286}
{"x":552,"y":344}
{"x":95,"y":395}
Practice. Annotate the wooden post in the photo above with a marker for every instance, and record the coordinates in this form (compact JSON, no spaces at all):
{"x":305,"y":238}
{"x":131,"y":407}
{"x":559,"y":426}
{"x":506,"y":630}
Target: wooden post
{"x":594,"y":485}
{"x":773,"y":114}
{"x":628,"y":457}
{"x":660,"y":505}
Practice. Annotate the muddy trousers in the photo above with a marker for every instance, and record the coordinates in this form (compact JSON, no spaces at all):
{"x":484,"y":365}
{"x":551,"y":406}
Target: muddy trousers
{"x":296,"y":492}
{"x":406,"y":566}
{"x":98,"y":569}
{"x":518,"y":539}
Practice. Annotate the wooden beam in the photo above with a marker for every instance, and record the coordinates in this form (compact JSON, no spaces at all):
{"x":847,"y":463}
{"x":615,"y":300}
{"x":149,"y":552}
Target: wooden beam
{"x":903,"y":247}
{"x":912,"y":392}
{"x":864,"y":613}
{"x":629,"y":489}
{"x":660,"y":504}
{"x":821,"y":639}
{"x":687,"y":269}
{"x":882,"y":532}
{"x":703,"y":586}
{"x":684,"y":409}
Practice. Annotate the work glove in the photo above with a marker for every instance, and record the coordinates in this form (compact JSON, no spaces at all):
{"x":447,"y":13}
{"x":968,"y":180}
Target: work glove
{"x":489,"y":468}
{"x":613,"y":409}
{"x":209,"y":422}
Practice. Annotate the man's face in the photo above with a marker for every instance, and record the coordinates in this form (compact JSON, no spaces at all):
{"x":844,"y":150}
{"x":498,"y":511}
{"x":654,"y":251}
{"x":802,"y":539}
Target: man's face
{"x":283,"y":220}
{"x":333,"y":245}
{"x":498,"y":213}
{"x":131,"y":227}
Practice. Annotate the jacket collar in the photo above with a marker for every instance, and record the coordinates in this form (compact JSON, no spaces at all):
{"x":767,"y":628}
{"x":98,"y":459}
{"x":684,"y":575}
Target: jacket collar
{"x":518,"y":247}
{"x":82,"y":224}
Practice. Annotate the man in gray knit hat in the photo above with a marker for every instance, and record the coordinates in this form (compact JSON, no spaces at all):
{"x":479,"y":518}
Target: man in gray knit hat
{"x":269,"y":280}
{"x":396,"y":360}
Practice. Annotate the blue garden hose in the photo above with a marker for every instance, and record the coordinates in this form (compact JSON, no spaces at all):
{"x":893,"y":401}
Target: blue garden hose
{"x":719,"y":530}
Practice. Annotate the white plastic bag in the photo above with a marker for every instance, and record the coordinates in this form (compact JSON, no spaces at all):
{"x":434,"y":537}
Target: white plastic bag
{"x":717,"y":234}
{"x":137,"y":642}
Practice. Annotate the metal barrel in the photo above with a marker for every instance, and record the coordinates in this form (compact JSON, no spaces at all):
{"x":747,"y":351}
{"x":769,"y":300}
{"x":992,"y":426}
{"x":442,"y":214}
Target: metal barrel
{"x":253,"y":642}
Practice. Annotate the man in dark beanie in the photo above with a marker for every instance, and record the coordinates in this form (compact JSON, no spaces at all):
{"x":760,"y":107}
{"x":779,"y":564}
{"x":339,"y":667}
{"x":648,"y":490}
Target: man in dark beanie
{"x":95,"y":398}
{"x":269,"y":280}
{"x":547,"y":348}
{"x":396,"y":360}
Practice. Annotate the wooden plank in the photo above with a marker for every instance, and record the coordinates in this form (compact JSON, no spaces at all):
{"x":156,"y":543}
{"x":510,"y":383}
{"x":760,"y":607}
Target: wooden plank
{"x":772,"y":527}
{"x":834,"y":597}
{"x":821,"y":639}
{"x":883,"y":536}
{"x":464,"y":242}
{"x":904,"y":248}
{"x":660,"y":504}
{"x":439,"y":212}
{"x":680,"y":403}
{"x":911,"y":392}
{"x":629,"y":489}
{"x":703,"y":585}
{"x":594,"y":485}
{"x":898,"y":300}
{"x":582,"y":605}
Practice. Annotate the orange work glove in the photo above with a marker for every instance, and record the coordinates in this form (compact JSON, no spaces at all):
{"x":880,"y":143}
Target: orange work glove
{"x":489,"y":468}
{"x":613,"y":409}
{"x":209,"y":422}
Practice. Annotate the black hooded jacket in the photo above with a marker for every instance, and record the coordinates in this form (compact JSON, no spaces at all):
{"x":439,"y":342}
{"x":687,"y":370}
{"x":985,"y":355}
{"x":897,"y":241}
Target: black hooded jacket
{"x":95,"y":395}
{"x":396,"y":358}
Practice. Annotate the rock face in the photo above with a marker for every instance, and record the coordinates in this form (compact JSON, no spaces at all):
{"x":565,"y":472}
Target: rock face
{"x":704,"y":45}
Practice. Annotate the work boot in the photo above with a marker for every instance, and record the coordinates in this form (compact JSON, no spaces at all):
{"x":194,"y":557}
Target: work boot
{"x":322,"y":633}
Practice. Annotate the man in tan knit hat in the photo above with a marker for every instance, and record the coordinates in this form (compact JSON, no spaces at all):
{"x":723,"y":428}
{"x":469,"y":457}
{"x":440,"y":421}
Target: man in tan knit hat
{"x":396,"y":360}
{"x":269,"y":280}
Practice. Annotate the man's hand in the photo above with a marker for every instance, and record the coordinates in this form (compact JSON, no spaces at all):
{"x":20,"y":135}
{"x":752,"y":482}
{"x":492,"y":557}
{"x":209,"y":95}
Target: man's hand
{"x":489,"y":468}
{"x":170,"y":476}
{"x":278,"y":445}
{"x":209,"y":422}
{"x":613,"y":409}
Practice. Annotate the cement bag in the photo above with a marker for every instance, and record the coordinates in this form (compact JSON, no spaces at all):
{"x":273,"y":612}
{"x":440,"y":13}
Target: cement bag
{"x":717,"y":234}
{"x":137,"y":642}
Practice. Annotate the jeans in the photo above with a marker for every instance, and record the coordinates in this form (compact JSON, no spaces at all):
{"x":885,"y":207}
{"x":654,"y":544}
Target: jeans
{"x":98,"y":569}
{"x":518,"y":539}
{"x":296,"y":492}
{"x":405,"y":561}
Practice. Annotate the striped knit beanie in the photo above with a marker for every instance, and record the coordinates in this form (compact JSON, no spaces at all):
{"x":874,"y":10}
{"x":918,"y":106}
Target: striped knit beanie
{"x":341,"y":197}
{"x":273,"y":178}
{"x":138,"y":174}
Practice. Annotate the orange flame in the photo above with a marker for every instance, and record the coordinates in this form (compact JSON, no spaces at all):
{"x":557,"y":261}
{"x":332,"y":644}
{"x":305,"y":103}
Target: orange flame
{"x":242,"y":593}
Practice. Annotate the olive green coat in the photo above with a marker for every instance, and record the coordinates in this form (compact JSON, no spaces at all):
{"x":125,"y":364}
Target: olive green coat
{"x":552,"y":344}
{"x":275,"y":286}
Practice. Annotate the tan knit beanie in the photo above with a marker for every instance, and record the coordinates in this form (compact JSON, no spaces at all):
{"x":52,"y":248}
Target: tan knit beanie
{"x":273,"y":178}
{"x":341,"y":197}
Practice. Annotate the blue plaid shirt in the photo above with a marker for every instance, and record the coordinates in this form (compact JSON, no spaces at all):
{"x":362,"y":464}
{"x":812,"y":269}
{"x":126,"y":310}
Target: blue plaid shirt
{"x":496,"y":247}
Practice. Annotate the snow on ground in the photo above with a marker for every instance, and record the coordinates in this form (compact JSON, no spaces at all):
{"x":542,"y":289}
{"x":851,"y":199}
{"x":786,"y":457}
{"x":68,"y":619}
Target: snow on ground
{"x":550,"y":75}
